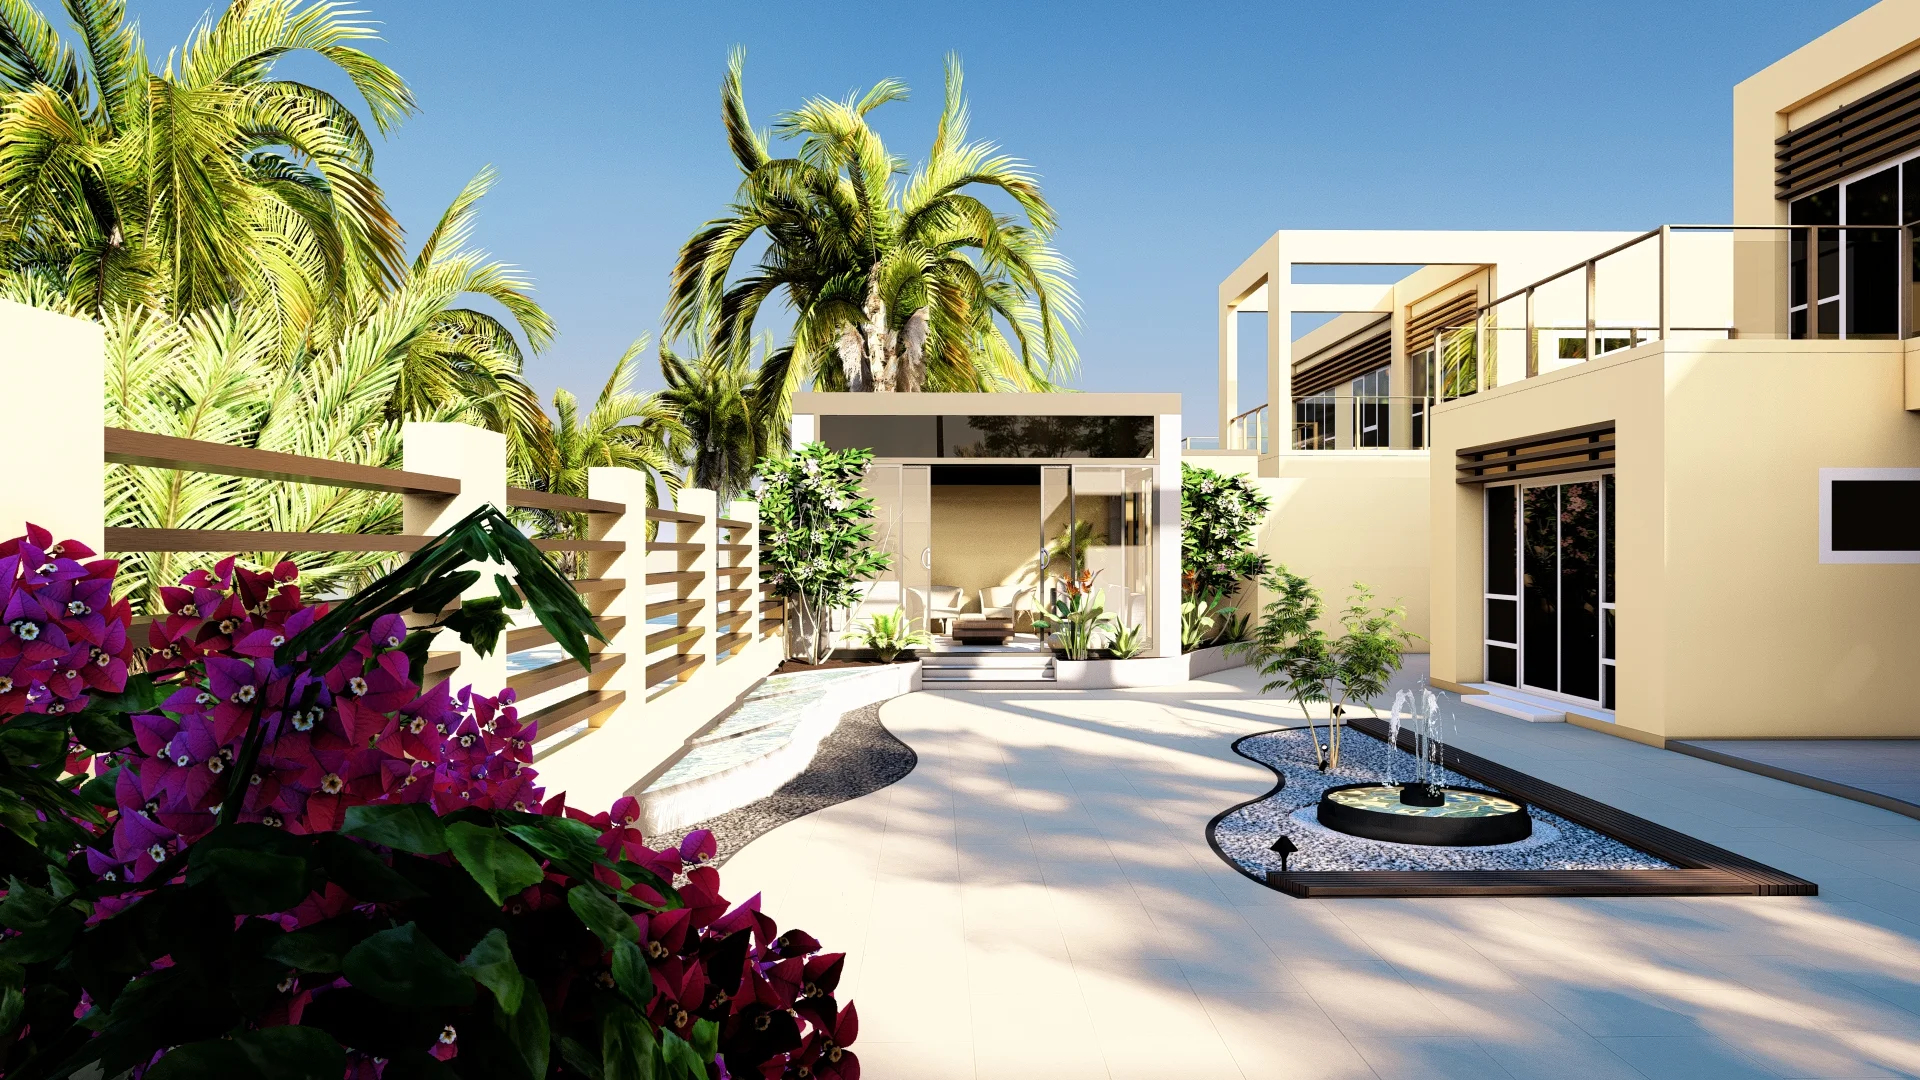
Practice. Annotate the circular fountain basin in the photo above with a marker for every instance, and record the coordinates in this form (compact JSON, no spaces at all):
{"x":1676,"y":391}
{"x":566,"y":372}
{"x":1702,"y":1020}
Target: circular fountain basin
{"x":1465,"y":818}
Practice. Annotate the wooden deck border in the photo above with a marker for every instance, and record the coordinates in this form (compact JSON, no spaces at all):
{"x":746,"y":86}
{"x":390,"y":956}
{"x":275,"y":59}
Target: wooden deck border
{"x":1704,"y":869}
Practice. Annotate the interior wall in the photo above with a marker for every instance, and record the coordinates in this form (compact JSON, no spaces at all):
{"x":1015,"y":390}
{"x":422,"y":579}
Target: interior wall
{"x":985,"y":535}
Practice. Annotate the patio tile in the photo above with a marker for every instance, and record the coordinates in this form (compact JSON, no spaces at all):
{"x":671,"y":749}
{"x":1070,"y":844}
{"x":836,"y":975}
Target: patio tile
{"x":916,"y":1060}
{"x":1284,"y":1036}
{"x":1443,"y":1058}
{"x":1687,"y":1058}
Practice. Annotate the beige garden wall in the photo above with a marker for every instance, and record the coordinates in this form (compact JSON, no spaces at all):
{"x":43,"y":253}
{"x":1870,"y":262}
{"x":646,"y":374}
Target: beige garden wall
{"x":1729,"y":625}
{"x":985,"y":535}
{"x":1338,"y":517}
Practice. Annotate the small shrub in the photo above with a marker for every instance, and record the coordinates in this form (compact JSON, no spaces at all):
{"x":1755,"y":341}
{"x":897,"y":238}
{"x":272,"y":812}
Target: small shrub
{"x":818,"y":539}
{"x":891,"y":633}
{"x":1219,"y":518}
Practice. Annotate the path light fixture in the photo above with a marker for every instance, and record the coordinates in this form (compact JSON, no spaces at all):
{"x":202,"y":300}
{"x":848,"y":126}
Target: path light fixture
{"x":1283,"y":847}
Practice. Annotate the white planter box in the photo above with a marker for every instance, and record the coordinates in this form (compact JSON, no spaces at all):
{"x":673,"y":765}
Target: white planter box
{"x":1141,"y":670}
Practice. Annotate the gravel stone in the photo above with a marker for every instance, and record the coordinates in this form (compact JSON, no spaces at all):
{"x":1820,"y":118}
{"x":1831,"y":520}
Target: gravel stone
{"x":1243,"y":834}
{"x":859,"y":757}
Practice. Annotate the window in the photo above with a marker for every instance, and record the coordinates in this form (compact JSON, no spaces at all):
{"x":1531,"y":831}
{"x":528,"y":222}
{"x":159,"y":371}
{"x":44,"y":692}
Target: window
{"x":1370,"y":405}
{"x":1855,"y":274}
{"x":1313,"y":422}
{"x":992,"y":436}
{"x":1870,"y":515}
{"x":1550,"y":615}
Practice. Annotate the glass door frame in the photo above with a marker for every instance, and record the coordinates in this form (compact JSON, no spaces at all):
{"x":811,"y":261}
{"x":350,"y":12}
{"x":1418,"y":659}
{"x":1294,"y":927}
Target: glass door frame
{"x":1607,"y":619}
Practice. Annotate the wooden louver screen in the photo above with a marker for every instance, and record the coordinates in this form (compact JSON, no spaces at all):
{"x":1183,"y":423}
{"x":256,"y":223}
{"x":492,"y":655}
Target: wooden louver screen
{"x":1422,"y":328}
{"x":1881,"y":126}
{"x":1549,"y":453}
{"x":1354,"y":361}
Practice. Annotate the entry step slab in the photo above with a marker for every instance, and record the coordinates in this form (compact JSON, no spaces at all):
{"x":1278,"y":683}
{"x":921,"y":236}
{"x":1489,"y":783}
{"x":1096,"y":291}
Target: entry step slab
{"x":1499,"y":699}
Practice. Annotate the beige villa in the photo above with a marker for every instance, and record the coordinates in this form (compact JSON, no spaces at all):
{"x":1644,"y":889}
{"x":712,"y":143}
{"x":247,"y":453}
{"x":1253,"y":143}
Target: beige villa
{"x":1672,"y":479}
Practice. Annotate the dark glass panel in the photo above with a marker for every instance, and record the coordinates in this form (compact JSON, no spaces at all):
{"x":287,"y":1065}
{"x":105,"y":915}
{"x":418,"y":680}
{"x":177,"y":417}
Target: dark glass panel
{"x":1820,"y":208}
{"x":1541,"y":587}
{"x":1047,"y":436}
{"x":1827,"y":249}
{"x":1797,"y":324}
{"x":886,"y":436}
{"x":1609,"y":614}
{"x":1503,"y":621}
{"x":1580,"y":589}
{"x":1796,"y":271}
{"x":1873,"y":282}
{"x":1876,"y":515}
{"x":1606,"y":504}
{"x":1501,"y":548}
{"x":1910,"y":186}
{"x":1607,"y":701}
{"x":1875,"y":200}
{"x":1828,"y":323}
{"x":1502,"y":666}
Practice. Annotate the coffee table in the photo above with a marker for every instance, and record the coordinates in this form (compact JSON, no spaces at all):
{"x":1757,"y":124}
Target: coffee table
{"x":975,"y":630}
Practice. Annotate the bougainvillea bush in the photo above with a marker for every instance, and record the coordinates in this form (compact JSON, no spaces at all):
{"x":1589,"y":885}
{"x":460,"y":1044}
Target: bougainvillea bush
{"x":271,"y":854}
{"x":1219,"y":516}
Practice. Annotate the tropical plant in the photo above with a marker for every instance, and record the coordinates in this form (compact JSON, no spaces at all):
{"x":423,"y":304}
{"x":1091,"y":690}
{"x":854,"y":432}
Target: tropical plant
{"x":222,"y":375}
{"x":914,"y":286}
{"x":1074,"y":616}
{"x":1219,"y":517}
{"x":289,"y":846}
{"x":1365,"y":656}
{"x":1289,"y":648}
{"x":733,"y":415}
{"x":891,"y":633}
{"x":1198,"y":614}
{"x":623,"y":430}
{"x":199,"y":185}
{"x":1125,"y":641}
{"x":1065,"y":555}
{"x":1234,"y":626}
{"x":817,"y":540}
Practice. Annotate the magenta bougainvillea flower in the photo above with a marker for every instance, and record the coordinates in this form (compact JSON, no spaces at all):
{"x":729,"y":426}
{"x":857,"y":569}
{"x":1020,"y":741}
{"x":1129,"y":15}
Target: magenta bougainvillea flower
{"x":363,"y":733}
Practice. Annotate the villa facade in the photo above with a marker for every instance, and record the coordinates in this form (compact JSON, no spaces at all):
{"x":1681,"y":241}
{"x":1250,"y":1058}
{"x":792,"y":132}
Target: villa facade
{"x":1673,"y":478}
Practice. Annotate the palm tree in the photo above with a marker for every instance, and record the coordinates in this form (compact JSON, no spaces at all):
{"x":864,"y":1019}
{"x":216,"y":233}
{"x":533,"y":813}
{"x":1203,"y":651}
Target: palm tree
{"x":201,"y":185}
{"x":223,"y":375}
{"x":733,"y":414}
{"x":624,"y":429}
{"x":914,"y":286}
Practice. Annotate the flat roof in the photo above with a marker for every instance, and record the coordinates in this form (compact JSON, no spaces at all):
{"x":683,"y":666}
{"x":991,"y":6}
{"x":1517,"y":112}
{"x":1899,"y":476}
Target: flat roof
{"x":817,"y":404}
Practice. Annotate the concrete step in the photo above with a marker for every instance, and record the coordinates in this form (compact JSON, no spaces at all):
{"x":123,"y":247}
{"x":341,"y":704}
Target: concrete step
{"x":986,"y":662}
{"x":986,"y":674}
{"x":1531,"y":712}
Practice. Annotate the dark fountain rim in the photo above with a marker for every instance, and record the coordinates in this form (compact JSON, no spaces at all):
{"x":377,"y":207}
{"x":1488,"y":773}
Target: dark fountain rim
{"x":1427,"y":831}
{"x":1704,"y":869}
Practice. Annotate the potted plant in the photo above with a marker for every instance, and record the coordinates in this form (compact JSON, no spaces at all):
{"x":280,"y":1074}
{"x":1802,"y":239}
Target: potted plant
{"x":817,"y":531}
{"x":889,"y":634}
{"x":1074,"y":616}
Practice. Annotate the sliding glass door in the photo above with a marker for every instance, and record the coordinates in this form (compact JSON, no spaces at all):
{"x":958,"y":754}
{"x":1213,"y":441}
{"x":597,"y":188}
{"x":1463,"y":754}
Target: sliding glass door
{"x":1549,"y":587}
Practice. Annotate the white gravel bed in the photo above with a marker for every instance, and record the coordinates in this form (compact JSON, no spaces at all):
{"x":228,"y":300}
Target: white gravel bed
{"x":1244,"y":834}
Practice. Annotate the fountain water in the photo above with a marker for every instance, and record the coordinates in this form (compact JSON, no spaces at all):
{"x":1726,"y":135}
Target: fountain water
{"x":1424,"y":809}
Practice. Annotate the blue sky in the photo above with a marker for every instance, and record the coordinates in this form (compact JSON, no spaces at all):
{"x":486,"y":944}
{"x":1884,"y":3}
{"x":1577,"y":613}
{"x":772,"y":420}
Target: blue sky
{"x":1171,"y":138}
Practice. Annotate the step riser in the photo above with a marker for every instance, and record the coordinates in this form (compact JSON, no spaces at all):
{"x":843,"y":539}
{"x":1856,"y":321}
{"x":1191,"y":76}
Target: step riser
{"x":1516,"y":709}
{"x":988,"y":676}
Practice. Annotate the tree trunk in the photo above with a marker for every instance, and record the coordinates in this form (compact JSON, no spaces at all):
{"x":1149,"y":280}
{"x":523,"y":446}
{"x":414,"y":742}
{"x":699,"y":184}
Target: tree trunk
{"x":853,"y":361}
{"x":913,"y":362}
{"x":880,"y":357}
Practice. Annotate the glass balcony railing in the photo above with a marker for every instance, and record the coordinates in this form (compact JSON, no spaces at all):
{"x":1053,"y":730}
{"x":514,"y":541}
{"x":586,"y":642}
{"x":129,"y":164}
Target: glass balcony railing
{"x":1692,"y":281}
{"x":1342,"y":421}
{"x":1248,"y":431}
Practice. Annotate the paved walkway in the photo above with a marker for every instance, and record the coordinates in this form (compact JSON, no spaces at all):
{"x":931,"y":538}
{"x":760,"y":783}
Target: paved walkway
{"x":1889,"y":768}
{"x":1038,"y":900}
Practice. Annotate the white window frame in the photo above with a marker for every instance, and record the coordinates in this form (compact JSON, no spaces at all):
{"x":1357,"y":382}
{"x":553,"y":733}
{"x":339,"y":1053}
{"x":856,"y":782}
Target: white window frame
{"x":1827,"y":554}
{"x":1595,"y":703}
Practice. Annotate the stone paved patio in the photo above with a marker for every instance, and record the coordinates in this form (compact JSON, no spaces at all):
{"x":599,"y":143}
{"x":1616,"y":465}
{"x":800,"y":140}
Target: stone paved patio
{"x":1038,"y":900}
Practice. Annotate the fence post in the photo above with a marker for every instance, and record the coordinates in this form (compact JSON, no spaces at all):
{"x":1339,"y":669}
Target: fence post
{"x":627,"y":486}
{"x":478,"y":459}
{"x":748,"y":510}
{"x":62,"y":484}
{"x":703,"y":504}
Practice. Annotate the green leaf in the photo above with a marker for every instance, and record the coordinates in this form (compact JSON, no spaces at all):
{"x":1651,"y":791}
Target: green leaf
{"x":580,"y":1057}
{"x":630,"y":973}
{"x":141,"y":695}
{"x":27,"y":747}
{"x":359,"y":871}
{"x":706,"y":1039}
{"x":628,"y":1050}
{"x":499,"y":865}
{"x":408,"y":827}
{"x":47,"y":925}
{"x":561,"y":839}
{"x":99,"y":790}
{"x":306,"y":951}
{"x":258,"y":869}
{"x":528,"y":1028}
{"x":491,"y":965}
{"x":401,"y":967}
{"x":608,"y":921}
{"x":433,"y":598}
{"x":102,"y":733}
{"x":682,"y":1061}
{"x":479,"y":622}
{"x":276,"y":1053}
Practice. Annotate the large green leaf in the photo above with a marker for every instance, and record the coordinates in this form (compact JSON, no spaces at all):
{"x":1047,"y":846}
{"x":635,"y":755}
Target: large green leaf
{"x":499,"y":865}
{"x":528,"y":1029}
{"x":258,"y":869}
{"x":277,"y":1053}
{"x":628,"y":1049}
{"x":608,"y":921}
{"x":101,"y":732}
{"x":680,"y":1059}
{"x":401,"y":967}
{"x":359,"y":871}
{"x":410,"y":827}
{"x":630,"y":972}
{"x":491,"y":965}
